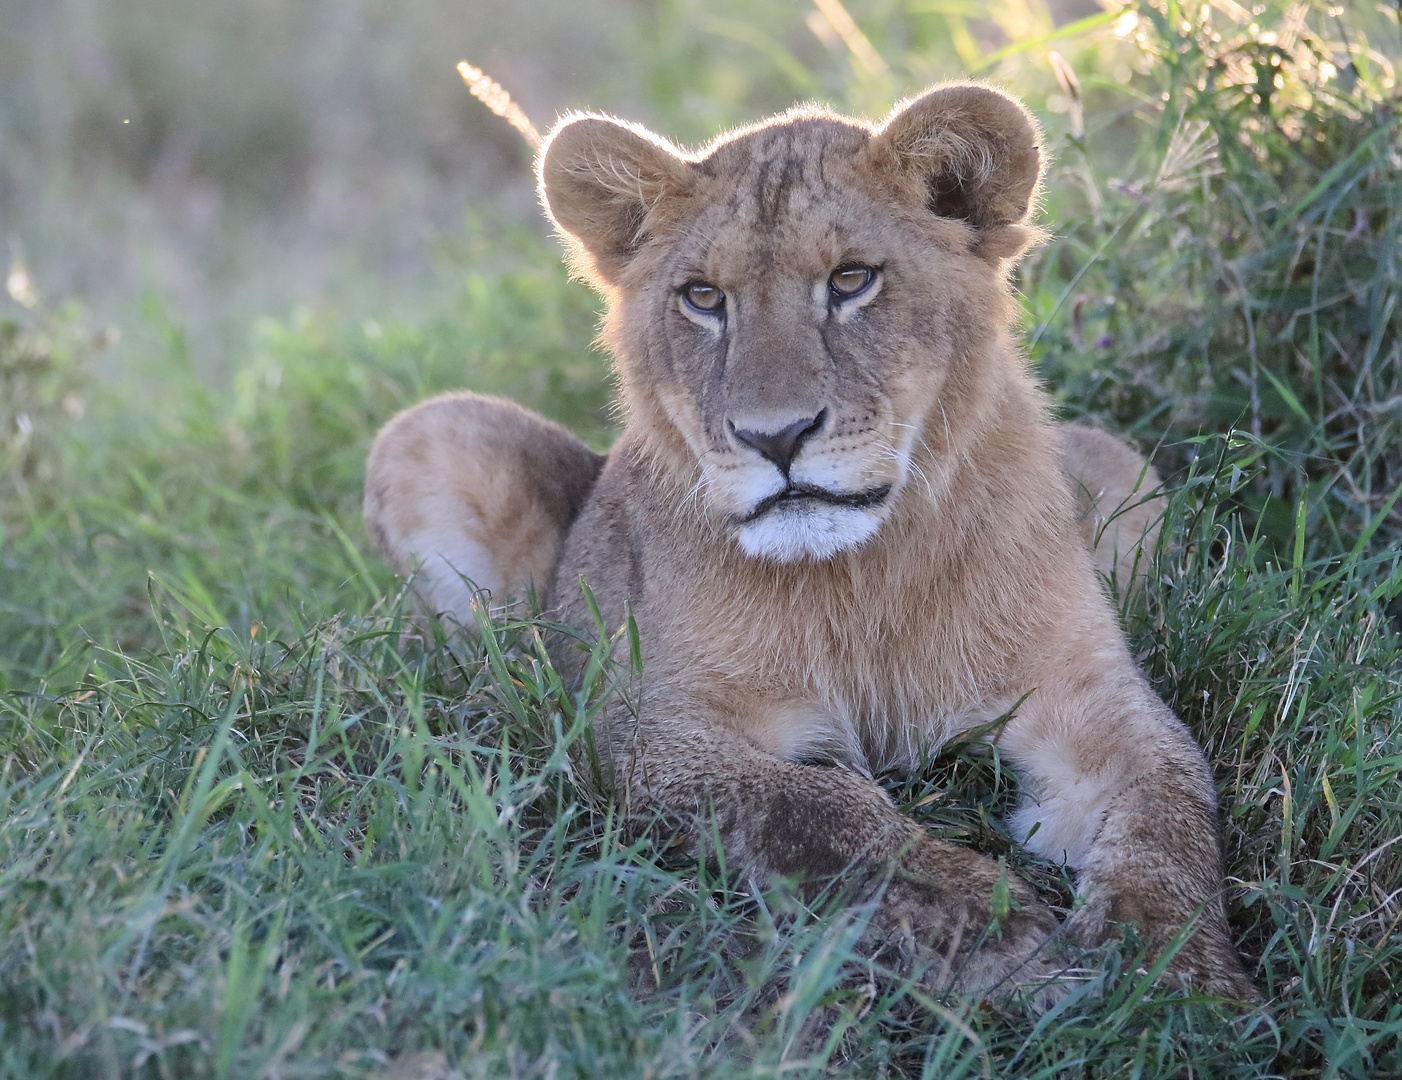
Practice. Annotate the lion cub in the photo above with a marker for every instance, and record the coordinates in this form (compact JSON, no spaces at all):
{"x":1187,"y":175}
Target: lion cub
{"x":843,"y":521}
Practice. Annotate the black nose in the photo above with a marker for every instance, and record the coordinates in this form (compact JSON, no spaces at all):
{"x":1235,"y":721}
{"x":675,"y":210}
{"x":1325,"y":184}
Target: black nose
{"x":782,"y":446}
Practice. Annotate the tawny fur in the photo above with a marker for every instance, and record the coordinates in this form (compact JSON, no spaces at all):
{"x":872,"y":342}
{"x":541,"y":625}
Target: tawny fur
{"x":927,"y":568}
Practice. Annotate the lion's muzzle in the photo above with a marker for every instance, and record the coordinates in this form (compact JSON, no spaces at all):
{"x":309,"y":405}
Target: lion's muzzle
{"x":800,"y":486}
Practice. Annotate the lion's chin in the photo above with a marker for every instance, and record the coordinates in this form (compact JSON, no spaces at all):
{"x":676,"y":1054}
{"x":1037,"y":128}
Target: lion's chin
{"x":807,"y":529}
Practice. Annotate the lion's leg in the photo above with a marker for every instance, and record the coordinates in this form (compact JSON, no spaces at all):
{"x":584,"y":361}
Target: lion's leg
{"x":470,"y":491}
{"x":1120,"y":499}
{"x":780,"y":819}
{"x":1114,"y":783}
{"x":1115,"y":786}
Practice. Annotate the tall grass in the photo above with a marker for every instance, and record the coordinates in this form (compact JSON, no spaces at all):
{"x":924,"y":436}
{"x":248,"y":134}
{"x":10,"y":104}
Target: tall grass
{"x":256,"y":823}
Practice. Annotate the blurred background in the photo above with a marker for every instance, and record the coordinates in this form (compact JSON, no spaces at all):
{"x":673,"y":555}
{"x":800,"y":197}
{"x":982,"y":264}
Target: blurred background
{"x":218,"y":161}
{"x":241,"y":235}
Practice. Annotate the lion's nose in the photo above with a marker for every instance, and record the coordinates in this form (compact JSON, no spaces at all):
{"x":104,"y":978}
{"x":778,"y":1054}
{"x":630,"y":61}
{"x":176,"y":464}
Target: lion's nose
{"x":781,"y":446}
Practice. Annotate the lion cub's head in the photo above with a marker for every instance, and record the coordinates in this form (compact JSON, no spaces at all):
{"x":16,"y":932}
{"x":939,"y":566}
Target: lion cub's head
{"x":800,"y":306}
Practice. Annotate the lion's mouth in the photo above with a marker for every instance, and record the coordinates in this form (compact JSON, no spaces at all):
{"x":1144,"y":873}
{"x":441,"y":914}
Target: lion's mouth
{"x":796,"y":493}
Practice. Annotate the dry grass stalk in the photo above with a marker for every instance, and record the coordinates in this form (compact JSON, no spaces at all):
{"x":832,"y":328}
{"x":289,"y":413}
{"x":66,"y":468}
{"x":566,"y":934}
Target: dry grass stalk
{"x":493,"y":95}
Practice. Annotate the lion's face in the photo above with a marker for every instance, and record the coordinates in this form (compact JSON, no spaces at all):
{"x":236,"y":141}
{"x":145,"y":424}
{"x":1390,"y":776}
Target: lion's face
{"x":793,"y":301}
{"x":798,"y":335}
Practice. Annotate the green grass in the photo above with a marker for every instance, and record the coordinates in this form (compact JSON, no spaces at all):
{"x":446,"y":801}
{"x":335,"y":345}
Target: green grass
{"x":256,"y":824}
{"x":232,"y":854}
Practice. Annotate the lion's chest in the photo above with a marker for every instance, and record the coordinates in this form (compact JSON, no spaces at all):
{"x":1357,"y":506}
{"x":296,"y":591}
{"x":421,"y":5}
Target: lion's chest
{"x":870,"y":680}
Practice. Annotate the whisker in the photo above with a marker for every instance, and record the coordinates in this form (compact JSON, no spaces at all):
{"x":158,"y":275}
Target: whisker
{"x":907,"y":463}
{"x":701,"y":481}
{"x":921,"y":438}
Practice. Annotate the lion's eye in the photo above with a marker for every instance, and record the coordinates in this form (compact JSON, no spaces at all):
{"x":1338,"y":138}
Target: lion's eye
{"x":849,"y":281}
{"x":703,"y":297}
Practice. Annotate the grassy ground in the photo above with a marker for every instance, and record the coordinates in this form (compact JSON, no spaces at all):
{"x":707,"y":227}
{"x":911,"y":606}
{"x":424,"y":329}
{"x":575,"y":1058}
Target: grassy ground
{"x":254,"y":825}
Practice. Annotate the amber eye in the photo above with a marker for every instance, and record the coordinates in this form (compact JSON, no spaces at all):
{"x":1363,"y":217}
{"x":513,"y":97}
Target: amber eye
{"x":703,"y":297}
{"x":849,"y":281}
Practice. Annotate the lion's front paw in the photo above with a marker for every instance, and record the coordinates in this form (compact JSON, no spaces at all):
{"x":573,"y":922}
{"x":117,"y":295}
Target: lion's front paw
{"x":1018,"y":958}
{"x":973,"y":928}
{"x":1206,"y":958}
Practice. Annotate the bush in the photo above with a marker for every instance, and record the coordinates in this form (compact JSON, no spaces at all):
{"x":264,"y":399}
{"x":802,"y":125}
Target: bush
{"x":1251,"y":280}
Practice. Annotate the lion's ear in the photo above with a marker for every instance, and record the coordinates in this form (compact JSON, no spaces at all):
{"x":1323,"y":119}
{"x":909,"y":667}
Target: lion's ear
{"x":971,"y":151}
{"x":606,"y":184}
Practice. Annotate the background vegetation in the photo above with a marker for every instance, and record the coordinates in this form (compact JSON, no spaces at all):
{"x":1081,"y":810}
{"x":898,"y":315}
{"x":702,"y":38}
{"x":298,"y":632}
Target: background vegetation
{"x":253,"y":826}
